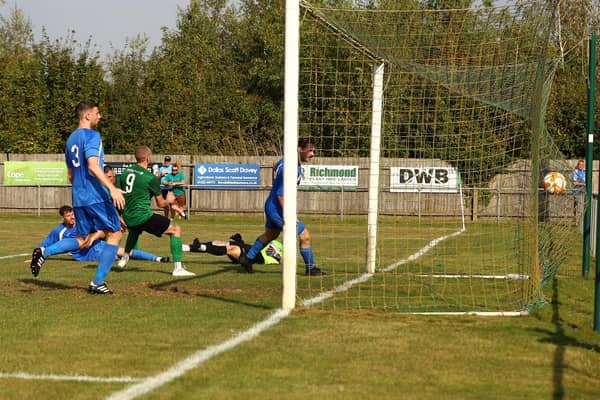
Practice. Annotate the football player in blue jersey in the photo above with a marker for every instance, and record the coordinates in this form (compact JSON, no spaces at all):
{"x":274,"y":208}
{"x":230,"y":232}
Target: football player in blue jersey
{"x":63,"y":239}
{"x":274,"y":215}
{"x":94,"y":196}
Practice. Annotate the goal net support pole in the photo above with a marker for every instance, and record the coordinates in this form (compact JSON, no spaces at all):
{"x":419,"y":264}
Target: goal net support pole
{"x":375,"y":153}
{"x":290,"y":152}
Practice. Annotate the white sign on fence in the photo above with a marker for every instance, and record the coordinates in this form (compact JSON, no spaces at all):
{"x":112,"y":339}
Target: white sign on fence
{"x":331,"y":176}
{"x":424,"y":179}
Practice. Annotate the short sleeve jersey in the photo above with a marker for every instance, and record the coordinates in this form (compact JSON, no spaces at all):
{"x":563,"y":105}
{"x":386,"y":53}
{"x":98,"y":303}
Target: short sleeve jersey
{"x":59,"y":233}
{"x":140,"y":185}
{"x":178,"y":177}
{"x":277,"y":188}
{"x":82,"y":144}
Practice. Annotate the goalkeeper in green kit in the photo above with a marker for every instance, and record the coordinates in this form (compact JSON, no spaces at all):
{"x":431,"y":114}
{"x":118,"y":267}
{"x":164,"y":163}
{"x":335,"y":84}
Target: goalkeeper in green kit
{"x":140,"y":186}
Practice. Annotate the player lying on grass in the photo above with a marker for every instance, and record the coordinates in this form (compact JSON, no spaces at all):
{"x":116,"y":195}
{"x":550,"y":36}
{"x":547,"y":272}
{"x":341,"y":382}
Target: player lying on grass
{"x":235,"y":247}
{"x":63,"y":239}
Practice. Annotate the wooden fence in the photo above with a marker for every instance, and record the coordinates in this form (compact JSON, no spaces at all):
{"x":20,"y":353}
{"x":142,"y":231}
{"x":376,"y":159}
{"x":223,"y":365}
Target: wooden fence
{"x":501,"y":200}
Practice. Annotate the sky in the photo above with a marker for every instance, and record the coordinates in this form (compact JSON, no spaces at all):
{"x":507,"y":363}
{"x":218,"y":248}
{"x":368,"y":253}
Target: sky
{"x":108,"y":22}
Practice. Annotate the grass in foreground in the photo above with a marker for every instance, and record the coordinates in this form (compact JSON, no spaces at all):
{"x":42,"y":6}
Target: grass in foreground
{"x":50,"y":325}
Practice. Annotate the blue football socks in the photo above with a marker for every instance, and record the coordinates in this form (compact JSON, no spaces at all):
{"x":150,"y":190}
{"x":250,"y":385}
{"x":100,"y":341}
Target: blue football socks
{"x":255,"y":249}
{"x":143,"y":255}
{"x":308,"y":257}
{"x":105,"y":262}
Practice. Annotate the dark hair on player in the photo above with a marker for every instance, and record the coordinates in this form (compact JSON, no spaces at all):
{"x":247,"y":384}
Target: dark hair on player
{"x":304,"y":142}
{"x":85,"y":106}
{"x":65,"y":209}
{"x":107,"y":168}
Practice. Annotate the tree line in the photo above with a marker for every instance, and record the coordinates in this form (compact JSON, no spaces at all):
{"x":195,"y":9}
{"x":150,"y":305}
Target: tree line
{"x":215,"y":83}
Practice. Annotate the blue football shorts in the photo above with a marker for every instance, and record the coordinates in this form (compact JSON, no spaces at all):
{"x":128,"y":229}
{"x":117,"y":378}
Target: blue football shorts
{"x":96,"y":217}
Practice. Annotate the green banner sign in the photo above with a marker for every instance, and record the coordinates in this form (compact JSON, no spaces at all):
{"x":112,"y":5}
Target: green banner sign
{"x":35,"y":173}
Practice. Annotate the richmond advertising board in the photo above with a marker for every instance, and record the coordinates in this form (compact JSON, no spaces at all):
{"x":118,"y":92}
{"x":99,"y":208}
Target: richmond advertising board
{"x":329,"y":177}
{"x":424,"y":179}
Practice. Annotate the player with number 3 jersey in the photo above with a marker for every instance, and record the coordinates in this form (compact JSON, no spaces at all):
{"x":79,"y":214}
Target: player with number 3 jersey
{"x":94,"y":196}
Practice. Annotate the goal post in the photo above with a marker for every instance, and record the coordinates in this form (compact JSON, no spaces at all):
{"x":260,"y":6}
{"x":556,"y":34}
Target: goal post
{"x":439,"y":114}
{"x":375,"y":153}
{"x":290,"y":153}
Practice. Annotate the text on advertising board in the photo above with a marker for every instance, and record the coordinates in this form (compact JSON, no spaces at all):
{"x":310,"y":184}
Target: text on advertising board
{"x":227,"y":176}
{"x":424,"y":179}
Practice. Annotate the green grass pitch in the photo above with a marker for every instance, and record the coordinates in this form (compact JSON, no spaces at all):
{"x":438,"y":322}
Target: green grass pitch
{"x":58,"y":342}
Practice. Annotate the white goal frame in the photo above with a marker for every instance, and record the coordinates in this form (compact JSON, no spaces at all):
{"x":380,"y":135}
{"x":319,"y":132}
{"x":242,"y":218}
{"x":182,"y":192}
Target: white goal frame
{"x":290,"y":156}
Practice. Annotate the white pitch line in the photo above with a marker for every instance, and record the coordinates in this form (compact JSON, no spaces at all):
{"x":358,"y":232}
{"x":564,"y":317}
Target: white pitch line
{"x":193,"y":361}
{"x":153,"y":382}
{"x":15,"y":255}
{"x":78,"y":378}
{"x":516,"y":277}
{"x":478,"y":313}
{"x":366,"y":276}
{"x":424,"y":250}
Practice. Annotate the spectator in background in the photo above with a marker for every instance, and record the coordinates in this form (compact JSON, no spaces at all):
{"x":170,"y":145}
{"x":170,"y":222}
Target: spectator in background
{"x":578,"y":180}
{"x":164,"y":171}
{"x":176,"y":183}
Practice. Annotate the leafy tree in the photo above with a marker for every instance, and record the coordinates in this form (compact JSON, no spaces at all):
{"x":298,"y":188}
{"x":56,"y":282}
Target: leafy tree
{"x":258,"y":51}
{"x":40,"y":85}
{"x":191,"y":83}
{"x":215,"y":84}
{"x":69,"y":73}
{"x":21,"y":91}
{"x":567,"y":108}
{"x":127,"y":97}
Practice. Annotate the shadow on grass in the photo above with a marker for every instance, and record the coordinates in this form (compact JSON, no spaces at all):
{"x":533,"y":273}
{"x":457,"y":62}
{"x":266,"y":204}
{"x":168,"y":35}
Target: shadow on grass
{"x":164,"y":285}
{"x":50,"y":285}
{"x":560,"y":338}
{"x":235,"y":301}
{"x":168,"y":286}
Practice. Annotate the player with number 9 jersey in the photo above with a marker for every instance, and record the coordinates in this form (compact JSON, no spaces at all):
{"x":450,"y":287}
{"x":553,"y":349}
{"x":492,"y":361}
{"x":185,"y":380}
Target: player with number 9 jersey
{"x":140,"y":186}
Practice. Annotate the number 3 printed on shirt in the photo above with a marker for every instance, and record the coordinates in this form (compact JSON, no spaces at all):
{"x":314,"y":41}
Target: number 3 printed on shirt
{"x":75,"y":161}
